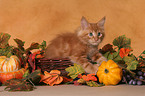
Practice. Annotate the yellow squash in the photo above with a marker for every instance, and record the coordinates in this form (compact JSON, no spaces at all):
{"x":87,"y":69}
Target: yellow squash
{"x":109,"y":73}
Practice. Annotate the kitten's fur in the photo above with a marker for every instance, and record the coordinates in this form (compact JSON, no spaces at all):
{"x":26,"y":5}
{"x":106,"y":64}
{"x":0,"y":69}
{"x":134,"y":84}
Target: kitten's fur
{"x":80,"y":45}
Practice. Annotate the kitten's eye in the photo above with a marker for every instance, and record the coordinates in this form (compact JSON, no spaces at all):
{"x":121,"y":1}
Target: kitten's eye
{"x":90,"y":34}
{"x":99,"y":34}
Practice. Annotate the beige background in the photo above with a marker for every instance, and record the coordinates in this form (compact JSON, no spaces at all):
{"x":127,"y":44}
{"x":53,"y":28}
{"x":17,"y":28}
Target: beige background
{"x":38,"y":20}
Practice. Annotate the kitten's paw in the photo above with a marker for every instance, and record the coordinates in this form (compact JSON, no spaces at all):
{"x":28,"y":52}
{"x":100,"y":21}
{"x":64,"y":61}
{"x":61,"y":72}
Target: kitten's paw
{"x":101,"y":59}
{"x":96,"y":66}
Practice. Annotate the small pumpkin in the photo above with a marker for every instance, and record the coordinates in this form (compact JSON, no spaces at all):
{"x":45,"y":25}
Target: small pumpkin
{"x":9,"y":64}
{"x":109,"y":73}
{"x":4,"y":76}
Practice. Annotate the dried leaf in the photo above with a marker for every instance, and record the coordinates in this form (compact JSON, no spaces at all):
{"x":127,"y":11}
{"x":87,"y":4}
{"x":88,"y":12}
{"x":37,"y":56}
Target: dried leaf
{"x":107,"y":48}
{"x":20,"y":44}
{"x":74,"y":71}
{"x":4,"y":38}
{"x":32,"y":57}
{"x":93,"y":84}
{"x":7,"y":51}
{"x":33,"y":46}
{"x":31,"y":60}
{"x":77,"y":83}
{"x":34,"y":76}
{"x":18,"y":85}
{"x":66,"y":80}
{"x":52,"y":77}
{"x":81,"y":80}
{"x":89,"y":77}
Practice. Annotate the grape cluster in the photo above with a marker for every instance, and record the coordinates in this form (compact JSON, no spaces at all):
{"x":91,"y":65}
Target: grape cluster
{"x":138,"y":79}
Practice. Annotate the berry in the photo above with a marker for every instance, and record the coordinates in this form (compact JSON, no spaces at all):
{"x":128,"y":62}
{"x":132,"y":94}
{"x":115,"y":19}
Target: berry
{"x":139,"y":73}
{"x":130,"y":82}
{"x":139,"y":82}
{"x":141,"y":77}
{"x":134,"y":82}
{"x":144,"y":74}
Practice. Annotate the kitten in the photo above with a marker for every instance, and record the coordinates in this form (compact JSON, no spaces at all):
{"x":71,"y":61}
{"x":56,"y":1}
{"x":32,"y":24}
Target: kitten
{"x":80,"y":45}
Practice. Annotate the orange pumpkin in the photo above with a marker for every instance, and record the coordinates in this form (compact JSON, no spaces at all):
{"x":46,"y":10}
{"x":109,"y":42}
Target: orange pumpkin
{"x":4,"y":76}
{"x":9,"y":64}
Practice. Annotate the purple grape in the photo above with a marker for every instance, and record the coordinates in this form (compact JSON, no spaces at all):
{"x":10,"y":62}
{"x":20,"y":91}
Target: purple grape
{"x":139,"y":73}
{"x":130,"y":82}
{"x":128,"y":77}
{"x":124,"y":72}
{"x":139,"y":82}
{"x":144,"y":74}
{"x":141,"y":77}
{"x":134,"y":82}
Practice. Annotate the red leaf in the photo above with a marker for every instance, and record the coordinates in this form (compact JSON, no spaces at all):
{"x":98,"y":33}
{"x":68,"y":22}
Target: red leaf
{"x":31,"y":61}
{"x":65,"y":79}
{"x":76,"y":83}
{"x":89,"y":77}
{"x":124,"y":52}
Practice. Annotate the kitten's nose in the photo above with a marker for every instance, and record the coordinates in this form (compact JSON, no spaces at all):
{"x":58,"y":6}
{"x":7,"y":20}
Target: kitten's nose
{"x":96,"y":39}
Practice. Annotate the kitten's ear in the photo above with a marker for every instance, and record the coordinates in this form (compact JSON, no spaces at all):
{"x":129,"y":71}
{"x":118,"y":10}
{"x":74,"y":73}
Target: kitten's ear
{"x":84,"y":23}
{"x":101,"y":22}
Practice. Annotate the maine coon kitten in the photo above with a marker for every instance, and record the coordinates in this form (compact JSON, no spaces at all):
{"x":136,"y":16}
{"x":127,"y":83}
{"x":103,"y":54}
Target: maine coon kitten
{"x":80,"y":45}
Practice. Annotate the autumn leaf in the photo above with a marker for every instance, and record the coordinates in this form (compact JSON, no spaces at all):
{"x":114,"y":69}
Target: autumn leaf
{"x":33,"y":77}
{"x":33,"y":46}
{"x":93,"y":84}
{"x":76,"y":83}
{"x":132,"y":65}
{"x":26,"y":74}
{"x":52,"y":77}
{"x":18,"y":85}
{"x":89,"y":77}
{"x":4,"y":38}
{"x":20,"y":44}
{"x":66,"y":80}
{"x":74,"y":71}
{"x":107,"y":48}
{"x":32,"y":57}
{"x":122,"y":42}
{"x":43,"y":45}
{"x":38,"y":54}
{"x":124,"y":52}
{"x":131,"y":62}
{"x":8,"y":51}
{"x":113,"y":56}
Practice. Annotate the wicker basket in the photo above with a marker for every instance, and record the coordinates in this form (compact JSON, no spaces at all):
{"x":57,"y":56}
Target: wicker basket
{"x":46,"y":64}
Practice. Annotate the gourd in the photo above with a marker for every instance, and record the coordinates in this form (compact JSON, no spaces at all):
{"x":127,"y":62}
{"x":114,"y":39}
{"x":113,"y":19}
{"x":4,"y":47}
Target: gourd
{"x":9,"y":64}
{"x":109,"y":73}
{"x":10,"y":68}
{"x":9,"y":75}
